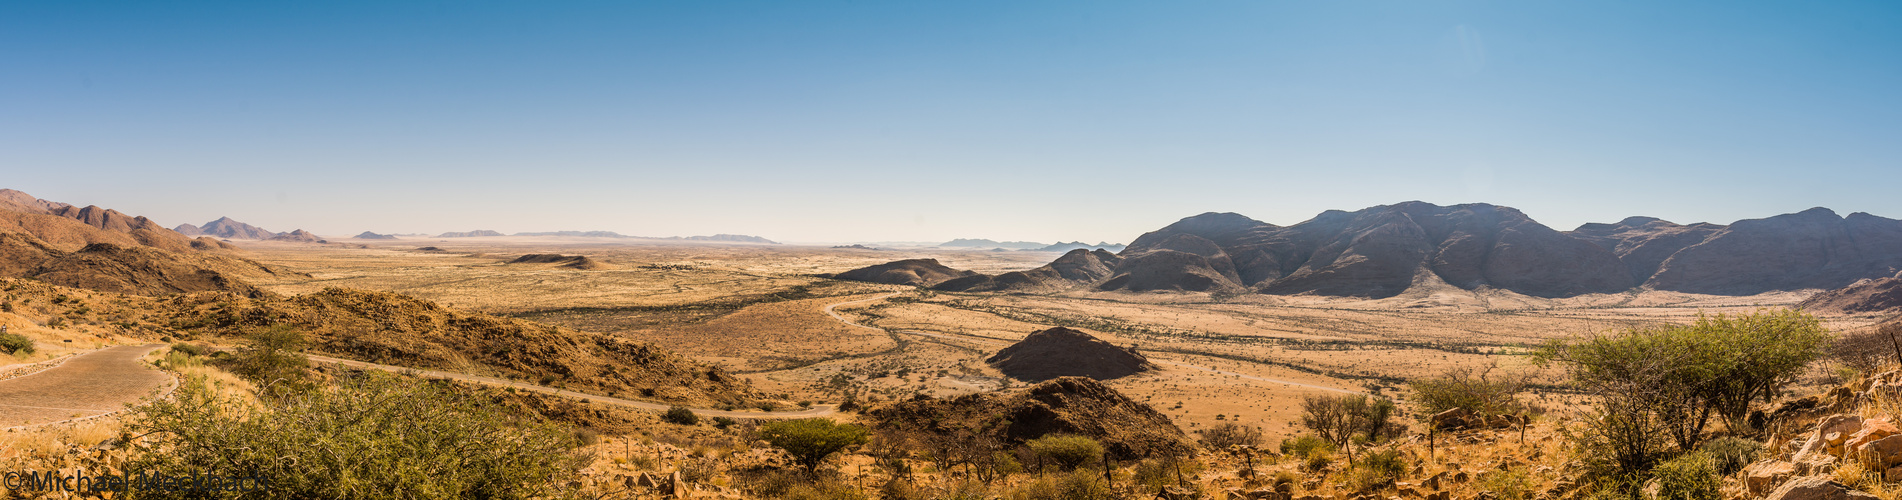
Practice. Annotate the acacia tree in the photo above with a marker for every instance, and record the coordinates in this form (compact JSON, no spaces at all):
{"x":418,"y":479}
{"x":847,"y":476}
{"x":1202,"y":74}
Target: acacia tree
{"x":1675,"y":378}
{"x":811,"y":440}
{"x":1338,"y":419}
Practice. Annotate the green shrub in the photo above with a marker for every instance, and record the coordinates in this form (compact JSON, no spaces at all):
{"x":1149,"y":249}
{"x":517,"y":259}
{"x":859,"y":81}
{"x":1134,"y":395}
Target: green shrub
{"x":1317,"y":459}
{"x":1301,"y":446}
{"x":1227,"y":434}
{"x":190,"y":349}
{"x":723,"y":422}
{"x":1151,"y":475}
{"x":371,"y":436}
{"x":1076,"y":485}
{"x":823,"y":490}
{"x":1066,"y":451}
{"x":811,"y":440}
{"x":273,"y":357}
{"x":1477,"y":391}
{"x":1377,"y":469}
{"x":14,"y":343}
{"x":1731,"y":454}
{"x":1512,"y":484}
{"x":1691,"y":476}
{"x":680,"y":415}
{"x":1338,"y":418}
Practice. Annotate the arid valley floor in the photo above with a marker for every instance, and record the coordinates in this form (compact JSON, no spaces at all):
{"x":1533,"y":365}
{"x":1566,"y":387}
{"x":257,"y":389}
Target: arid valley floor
{"x":760,"y":311}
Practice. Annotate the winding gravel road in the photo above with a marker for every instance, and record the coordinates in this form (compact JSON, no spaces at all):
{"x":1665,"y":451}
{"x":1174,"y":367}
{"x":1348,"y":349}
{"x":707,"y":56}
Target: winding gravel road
{"x":88,"y":385}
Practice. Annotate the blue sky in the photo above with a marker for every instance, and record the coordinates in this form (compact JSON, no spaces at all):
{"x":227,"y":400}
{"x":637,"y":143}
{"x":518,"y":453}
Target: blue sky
{"x":865,"y":121}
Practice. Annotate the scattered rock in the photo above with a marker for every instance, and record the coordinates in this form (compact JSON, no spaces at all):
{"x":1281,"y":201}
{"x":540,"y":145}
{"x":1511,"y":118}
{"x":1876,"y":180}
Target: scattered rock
{"x":1816,"y":488}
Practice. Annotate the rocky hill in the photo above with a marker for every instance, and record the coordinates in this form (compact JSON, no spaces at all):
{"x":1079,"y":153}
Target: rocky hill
{"x":1080,"y":406}
{"x":914,"y":272}
{"x":103,"y":249}
{"x":566,"y":261}
{"x":225,"y":227}
{"x":138,"y":271}
{"x":1077,"y":267}
{"x":1871,"y":296}
{"x":1062,"y":352}
{"x":366,"y":235}
{"x":298,"y":236}
{"x":69,"y":228}
{"x":397,"y":329}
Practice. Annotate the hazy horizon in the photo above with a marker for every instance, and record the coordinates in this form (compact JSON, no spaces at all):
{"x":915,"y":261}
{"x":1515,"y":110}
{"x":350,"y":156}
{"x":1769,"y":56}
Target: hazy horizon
{"x":852,"y":122}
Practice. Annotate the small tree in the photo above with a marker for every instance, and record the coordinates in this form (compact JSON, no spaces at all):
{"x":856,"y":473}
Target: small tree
{"x":274,"y":357}
{"x":1067,"y":451}
{"x":1338,"y":418}
{"x":1228,"y":434}
{"x":811,"y":440}
{"x":1478,"y":391}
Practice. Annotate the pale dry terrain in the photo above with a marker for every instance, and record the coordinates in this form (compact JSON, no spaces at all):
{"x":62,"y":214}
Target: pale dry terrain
{"x":759,"y":310}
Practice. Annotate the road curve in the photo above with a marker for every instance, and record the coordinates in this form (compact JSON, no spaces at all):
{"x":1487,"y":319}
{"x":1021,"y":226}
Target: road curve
{"x":815,"y":411}
{"x":88,"y":385}
{"x":842,"y":319}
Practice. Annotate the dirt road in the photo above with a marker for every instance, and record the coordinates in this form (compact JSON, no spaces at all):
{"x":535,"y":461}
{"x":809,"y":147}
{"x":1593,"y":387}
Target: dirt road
{"x":87,"y":385}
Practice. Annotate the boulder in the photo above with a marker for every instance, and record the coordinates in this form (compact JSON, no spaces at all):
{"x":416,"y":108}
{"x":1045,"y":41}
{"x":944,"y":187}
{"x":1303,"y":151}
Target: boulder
{"x":1457,"y":418}
{"x":1872,"y":430}
{"x":1764,"y":476}
{"x":1816,"y":488}
{"x":1881,"y":453}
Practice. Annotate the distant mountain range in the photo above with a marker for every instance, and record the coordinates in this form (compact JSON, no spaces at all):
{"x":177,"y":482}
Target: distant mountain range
{"x":1029,"y":245}
{"x":1385,"y":250}
{"x":230,"y":229}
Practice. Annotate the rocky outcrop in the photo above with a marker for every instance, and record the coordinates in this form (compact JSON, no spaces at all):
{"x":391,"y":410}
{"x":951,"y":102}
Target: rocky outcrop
{"x":137,"y":271}
{"x":1079,"y":406}
{"x":1077,"y":267}
{"x":366,"y":235}
{"x":913,"y":272}
{"x":1870,"y":296}
{"x":567,"y":261}
{"x":1062,"y":352}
